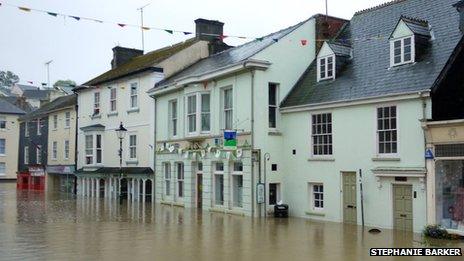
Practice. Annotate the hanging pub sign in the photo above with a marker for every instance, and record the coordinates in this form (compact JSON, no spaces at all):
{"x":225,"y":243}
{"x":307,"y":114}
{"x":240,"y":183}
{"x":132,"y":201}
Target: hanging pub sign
{"x":230,"y":140}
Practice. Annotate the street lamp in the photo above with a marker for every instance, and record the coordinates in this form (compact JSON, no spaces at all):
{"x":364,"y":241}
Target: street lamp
{"x":121,"y":132}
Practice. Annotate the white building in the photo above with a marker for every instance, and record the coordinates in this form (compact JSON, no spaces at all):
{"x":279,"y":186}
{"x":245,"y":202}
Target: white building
{"x":239,"y":89}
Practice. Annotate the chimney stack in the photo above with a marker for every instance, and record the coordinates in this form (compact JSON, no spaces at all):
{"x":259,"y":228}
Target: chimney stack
{"x":208,"y":30}
{"x":460,"y":7}
{"x":122,"y":55}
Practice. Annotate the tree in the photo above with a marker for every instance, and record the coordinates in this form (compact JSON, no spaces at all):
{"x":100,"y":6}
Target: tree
{"x":65,"y":83}
{"x":8,"y":78}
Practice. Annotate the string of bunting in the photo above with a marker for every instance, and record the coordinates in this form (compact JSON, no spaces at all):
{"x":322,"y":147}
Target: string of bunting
{"x":172,"y":31}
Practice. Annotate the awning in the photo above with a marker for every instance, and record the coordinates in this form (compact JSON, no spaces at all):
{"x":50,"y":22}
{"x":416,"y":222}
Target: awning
{"x":399,"y":172}
{"x":111,"y":170}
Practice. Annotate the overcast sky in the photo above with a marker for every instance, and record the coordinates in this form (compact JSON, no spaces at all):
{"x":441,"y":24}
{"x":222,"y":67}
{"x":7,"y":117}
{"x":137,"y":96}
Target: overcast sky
{"x":81,"y":49}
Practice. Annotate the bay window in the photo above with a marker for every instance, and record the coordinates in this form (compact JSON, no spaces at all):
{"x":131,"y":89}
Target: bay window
{"x":93,"y":149}
{"x":198,"y":111}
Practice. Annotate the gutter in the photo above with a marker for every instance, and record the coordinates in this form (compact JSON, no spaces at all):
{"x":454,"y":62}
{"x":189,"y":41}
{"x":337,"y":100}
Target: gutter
{"x":360,"y":101}
{"x":221,"y":72}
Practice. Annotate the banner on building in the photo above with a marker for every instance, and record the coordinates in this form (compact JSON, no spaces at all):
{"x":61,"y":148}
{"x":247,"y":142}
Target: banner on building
{"x":230,"y":140}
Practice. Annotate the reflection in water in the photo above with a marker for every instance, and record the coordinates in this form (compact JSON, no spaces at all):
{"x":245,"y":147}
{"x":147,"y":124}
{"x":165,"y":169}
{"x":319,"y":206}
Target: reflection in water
{"x":61,"y":227}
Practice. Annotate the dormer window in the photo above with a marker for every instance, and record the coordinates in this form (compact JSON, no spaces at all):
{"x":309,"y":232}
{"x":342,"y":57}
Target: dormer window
{"x":326,"y":68}
{"x":402,"y":51}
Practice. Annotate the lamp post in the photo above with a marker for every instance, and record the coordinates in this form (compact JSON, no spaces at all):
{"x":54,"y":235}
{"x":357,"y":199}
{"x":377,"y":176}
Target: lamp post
{"x":121,"y":132}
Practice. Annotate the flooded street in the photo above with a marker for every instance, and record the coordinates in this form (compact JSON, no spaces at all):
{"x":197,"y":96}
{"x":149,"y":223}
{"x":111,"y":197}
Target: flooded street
{"x":34,"y":226}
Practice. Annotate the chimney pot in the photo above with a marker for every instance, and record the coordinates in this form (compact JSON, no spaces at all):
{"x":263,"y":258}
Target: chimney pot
{"x":209,"y":30}
{"x":122,"y":55}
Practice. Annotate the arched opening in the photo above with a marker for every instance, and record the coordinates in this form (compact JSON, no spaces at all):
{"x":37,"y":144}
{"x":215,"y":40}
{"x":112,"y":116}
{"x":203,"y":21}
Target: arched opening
{"x":124,"y":188}
{"x":102,"y":188}
{"x":148,"y":188}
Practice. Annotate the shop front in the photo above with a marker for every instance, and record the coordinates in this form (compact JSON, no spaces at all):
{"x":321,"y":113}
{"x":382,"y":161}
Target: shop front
{"x":32,"y":179}
{"x":445,"y":174}
{"x":61,"y":178}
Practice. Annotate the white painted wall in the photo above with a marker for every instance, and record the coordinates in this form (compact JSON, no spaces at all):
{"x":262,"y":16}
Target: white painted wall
{"x":11,"y":136}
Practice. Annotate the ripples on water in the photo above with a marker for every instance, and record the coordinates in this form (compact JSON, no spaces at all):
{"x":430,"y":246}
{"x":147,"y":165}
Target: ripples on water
{"x":36,"y":226}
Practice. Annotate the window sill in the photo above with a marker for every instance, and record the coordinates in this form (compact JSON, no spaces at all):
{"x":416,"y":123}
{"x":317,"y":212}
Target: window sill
{"x":93,"y":117}
{"x":115,"y":113}
{"x":133,"y":162}
{"x":132,"y":110}
{"x":54,"y":129}
{"x":67,"y":127}
{"x":274,"y":133}
{"x":2,"y":155}
{"x":386,"y":159}
{"x":315,"y":213}
{"x":328,"y":159}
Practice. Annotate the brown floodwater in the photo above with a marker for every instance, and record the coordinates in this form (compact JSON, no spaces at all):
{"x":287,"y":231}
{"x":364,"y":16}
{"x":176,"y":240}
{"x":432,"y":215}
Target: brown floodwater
{"x":35,"y":226}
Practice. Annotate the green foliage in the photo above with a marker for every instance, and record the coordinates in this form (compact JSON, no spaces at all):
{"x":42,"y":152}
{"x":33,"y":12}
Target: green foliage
{"x":8,"y":78}
{"x":435,"y":231}
{"x":65,"y":83}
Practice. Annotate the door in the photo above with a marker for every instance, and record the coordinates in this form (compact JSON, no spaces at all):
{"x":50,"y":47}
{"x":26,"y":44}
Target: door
{"x":350,"y":214}
{"x":199,"y":190}
{"x":402,"y":207}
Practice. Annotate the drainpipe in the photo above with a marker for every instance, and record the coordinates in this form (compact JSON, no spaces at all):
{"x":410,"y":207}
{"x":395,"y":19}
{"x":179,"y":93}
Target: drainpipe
{"x":428,"y":170}
{"x":75,"y":142}
{"x":253,"y":202}
{"x":154,"y":153}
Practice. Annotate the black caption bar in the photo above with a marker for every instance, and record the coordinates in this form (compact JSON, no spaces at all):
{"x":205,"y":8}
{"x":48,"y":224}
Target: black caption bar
{"x":415,"y":252}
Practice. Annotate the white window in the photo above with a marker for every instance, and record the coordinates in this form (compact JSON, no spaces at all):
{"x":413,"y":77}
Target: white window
{"x":326,"y":68}
{"x":134,"y":95}
{"x":93,"y":149}
{"x":2,"y":168}
{"x":55,"y":122}
{"x":39,"y":125}
{"x":219,"y":184}
{"x":66,"y":149}
{"x":38,"y":152}
{"x":88,"y":149}
{"x":180,"y":180}
{"x":387,"y":139}
{"x":316,"y":197}
{"x":237,"y":184}
{"x":113,"y":97}
{"x":26,"y":155}
{"x":228,"y":109}
{"x":205,"y":112}
{"x":2,"y":123}
{"x":54,"y":150}
{"x":321,"y":132}
{"x":26,"y":129}
{"x":67,"y":119}
{"x":191,"y":113}
{"x":272,"y":110}
{"x":402,"y":51}
{"x":2,"y":146}
{"x":173,"y":118}
{"x":133,"y":146}
{"x":96,"y":103}
{"x":167,"y":179}
{"x":198,"y":111}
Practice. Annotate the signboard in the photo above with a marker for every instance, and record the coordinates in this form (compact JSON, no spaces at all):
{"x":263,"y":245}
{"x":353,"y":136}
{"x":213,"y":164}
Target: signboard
{"x":429,"y":154}
{"x":230,"y":140}
{"x":36,"y":171}
{"x":61,"y":169}
{"x":260,"y":193}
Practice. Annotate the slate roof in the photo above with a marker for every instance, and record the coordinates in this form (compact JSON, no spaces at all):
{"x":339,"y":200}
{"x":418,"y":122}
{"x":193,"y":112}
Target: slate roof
{"x":8,"y":108}
{"x":24,"y":87}
{"x":57,"y":104}
{"x":141,"y":63}
{"x":340,"y":49}
{"x":5,"y":90}
{"x":417,"y":26}
{"x":19,"y":102}
{"x":368,"y":73}
{"x":227,"y":58}
{"x":36,"y":94}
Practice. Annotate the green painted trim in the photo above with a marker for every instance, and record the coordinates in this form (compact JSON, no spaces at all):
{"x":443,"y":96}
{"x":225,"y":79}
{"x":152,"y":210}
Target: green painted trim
{"x":313,"y":213}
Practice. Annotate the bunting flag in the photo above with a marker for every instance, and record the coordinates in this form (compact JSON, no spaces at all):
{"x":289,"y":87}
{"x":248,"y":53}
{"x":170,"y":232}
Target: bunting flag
{"x":30,"y":82}
{"x":122,"y":25}
{"x":260,"y":39}
{"x":304,"y":42}
{"x":222,"y":37}
{"x":187,"y":33}
{"x":275,"y":40}
{"x":52,"y":14}
{"x":168,"y":31}
{"x":75,"y":17}
{"x":25,"y":9}
{"x":145,"y":28}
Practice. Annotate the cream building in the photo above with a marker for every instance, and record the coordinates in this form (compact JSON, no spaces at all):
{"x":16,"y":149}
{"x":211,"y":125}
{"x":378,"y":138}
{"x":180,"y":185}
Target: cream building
{"x":9,"y":139}
{"x":62,"y":119}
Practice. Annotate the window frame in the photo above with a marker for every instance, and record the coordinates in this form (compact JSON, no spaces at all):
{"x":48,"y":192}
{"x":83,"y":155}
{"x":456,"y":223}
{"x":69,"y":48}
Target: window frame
{"x":3,"y":123}
{"x":197,"y":114}
{"x":180,"y":180}
{"x":377,"y":137}
{"x":113,"y":100}
{"x":312,"y":196}
{"x":167,"y":175}
{"x":278,"y":193}
{"x":273,"y":106}
{"x":312,"y":135}
{"x":402,"y":52}
{"x":4,"y":147}
{"x":54,"y":150}
{"x":26,"y":155}
{"x":134,"y":95}
{"x":66,"y":149}
{"x":225,"y":110}
{"x":94,"y":149}
{"x":26,"y":129}
{"x":132,"y":147}
{"x":2,"y":169}
{"x":218,"y":173}
{"x":55,"y":122}
{"x":39,"y":129}
{"x":326,"y":67}
{"x":236,"y":173}
{"x":38,"y":154}
{"x":173,"y":121}
{"x":96,"y":103}
{"x":67,"y":120}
